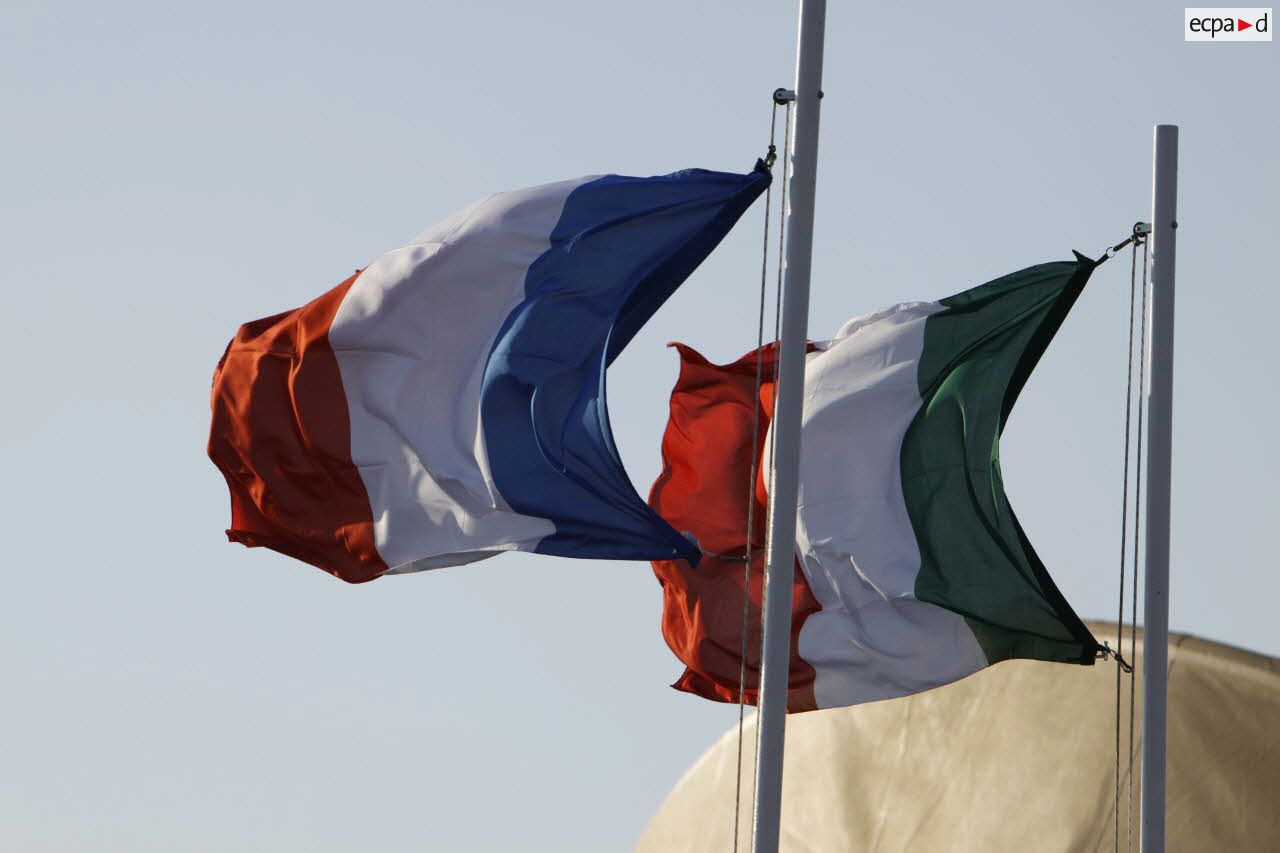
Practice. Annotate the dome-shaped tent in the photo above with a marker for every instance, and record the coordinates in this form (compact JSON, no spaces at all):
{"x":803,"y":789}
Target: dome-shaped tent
{"x":1019,"y":757}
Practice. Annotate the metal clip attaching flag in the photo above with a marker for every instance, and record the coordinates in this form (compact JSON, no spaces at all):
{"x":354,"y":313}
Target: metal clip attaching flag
{"x":1140,"y":232}
{"x":1106,"y":653}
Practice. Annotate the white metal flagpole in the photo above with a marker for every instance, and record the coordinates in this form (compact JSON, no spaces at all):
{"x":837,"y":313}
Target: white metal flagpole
{"x":1155,"y":646}
{"x":780,"y":553}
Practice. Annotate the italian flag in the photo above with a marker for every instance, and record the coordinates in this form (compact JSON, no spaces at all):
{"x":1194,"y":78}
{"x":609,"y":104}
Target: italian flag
{"x":913,"y":571}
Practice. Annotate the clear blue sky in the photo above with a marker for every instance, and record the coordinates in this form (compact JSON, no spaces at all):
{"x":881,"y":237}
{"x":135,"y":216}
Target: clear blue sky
{"x":172,"y":170}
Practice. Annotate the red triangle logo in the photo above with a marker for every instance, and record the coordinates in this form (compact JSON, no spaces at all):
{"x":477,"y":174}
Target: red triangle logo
{"x":1242,"y":25}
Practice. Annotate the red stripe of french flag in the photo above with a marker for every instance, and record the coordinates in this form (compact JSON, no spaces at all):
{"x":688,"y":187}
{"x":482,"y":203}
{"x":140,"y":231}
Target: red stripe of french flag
{"x":298,"y":493}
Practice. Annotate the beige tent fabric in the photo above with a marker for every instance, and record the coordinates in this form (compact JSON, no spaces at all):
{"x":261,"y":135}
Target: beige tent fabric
{"x":1019,"y":757}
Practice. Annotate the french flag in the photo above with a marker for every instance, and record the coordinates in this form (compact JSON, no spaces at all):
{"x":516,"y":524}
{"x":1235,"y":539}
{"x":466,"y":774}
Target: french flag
{"x":447,"y":403}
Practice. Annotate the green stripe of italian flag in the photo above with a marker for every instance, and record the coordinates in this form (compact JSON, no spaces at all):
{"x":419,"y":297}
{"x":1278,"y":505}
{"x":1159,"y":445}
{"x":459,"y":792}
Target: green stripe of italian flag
{"x":904,"y":532}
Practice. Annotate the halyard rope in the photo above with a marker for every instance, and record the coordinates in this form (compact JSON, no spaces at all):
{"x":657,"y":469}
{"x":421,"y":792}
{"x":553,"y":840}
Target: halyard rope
{"x":1137,"y":241}
{"x":1133,"y":617}
{"x":777,"y":366}
{"x":1124,"y":528}
{"x":770,"y":158}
